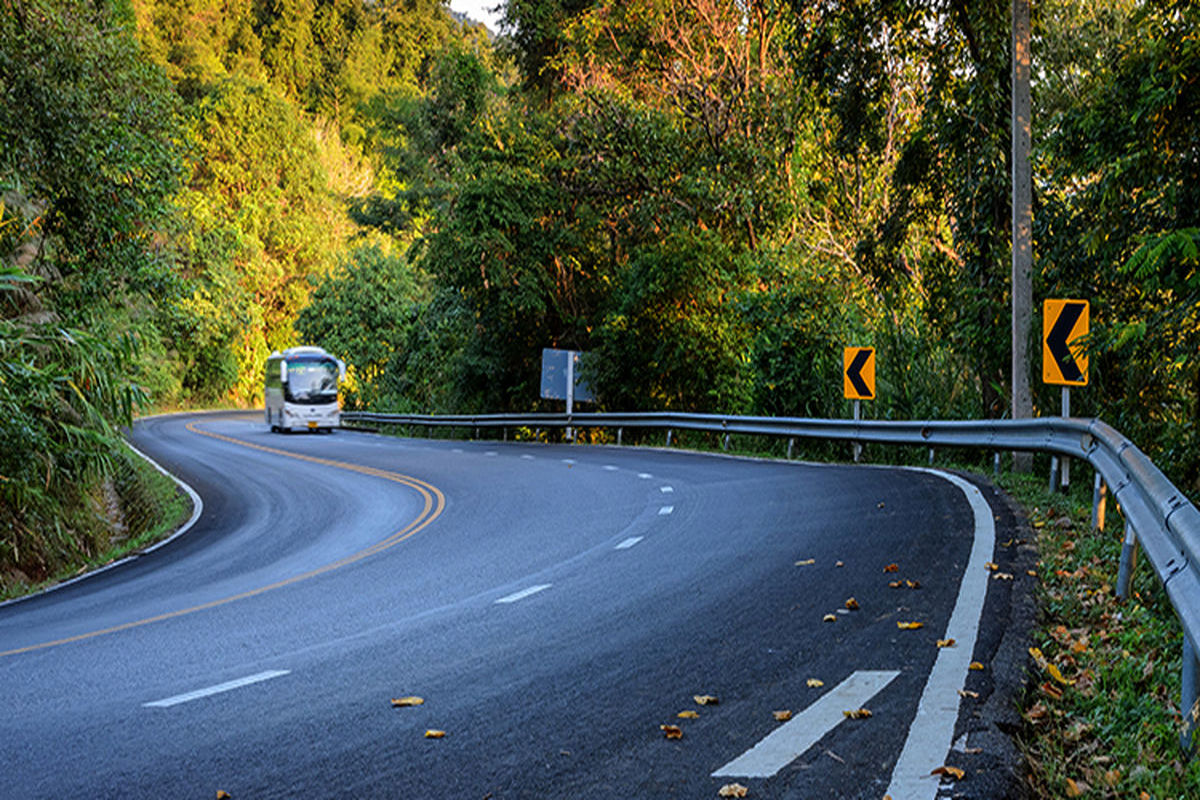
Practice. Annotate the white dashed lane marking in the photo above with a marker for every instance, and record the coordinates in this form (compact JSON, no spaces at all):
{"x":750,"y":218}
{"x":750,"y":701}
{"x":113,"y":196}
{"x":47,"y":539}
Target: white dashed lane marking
{"x":662,"y":512}
{"x":628,"y":543}
{"x":521,"y":595}
{"x":218,"y":689}
{"x":666,"y":489}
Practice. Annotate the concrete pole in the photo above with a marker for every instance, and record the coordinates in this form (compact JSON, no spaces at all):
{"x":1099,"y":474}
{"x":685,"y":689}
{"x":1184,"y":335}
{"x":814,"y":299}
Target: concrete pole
{"x":1022,"y":223}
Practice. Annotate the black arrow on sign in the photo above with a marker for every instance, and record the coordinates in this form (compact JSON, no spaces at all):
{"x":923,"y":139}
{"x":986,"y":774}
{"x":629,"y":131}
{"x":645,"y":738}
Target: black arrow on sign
{"x":852,"y":373}
{"x":1056,"y":341}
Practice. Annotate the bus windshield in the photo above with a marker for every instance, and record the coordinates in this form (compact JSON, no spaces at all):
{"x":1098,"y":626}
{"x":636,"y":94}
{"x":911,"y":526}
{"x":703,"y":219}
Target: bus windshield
{"x":312,"y":382}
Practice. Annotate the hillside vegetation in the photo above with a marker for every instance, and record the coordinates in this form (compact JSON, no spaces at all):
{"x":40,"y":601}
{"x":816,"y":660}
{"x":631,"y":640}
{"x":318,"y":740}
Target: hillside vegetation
{"x":711,"y":197}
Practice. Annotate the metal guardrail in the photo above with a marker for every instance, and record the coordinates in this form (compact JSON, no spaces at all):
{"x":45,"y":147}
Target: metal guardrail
{"x":1158,"y":516}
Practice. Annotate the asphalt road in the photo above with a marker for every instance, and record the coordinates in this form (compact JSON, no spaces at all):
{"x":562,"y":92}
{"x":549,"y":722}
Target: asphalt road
{"x":553,"y":605}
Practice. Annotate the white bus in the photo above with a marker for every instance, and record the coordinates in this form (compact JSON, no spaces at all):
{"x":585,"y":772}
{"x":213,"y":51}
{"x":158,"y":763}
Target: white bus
{"x":300,"y":389}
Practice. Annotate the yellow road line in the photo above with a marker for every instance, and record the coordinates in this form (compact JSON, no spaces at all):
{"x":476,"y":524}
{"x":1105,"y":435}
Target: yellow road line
{"x":434,"y":504}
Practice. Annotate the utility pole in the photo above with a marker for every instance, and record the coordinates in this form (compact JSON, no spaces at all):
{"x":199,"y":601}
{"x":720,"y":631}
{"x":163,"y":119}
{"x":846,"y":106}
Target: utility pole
{"x":1022,"y":223}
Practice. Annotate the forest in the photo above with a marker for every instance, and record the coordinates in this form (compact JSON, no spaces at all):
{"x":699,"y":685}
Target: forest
{"x":711,"y":197}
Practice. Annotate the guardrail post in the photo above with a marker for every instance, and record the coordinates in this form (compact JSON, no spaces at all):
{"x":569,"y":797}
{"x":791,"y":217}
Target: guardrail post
{"x":620,"y":431}
{"x":725,"y":443}
{"x":1188,"y":705}
{"x":505,"y":434}
{"x":1128,"y":561}
{"x":1099,"y":500}
{"x":996,"y":464}
{"x":668,"y":437}
{"x":791,"y":447}
{"x":931,"y":452}
{"x":1053,"y":474}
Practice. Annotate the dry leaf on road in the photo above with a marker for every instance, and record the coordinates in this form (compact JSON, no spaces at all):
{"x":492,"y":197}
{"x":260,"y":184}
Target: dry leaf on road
{"x":815,"y":683}
{"x":909,"y":626}
{"x":705,"y":700}
{"x":405,"y":702}
{"x":732,"y":790}
{"x":852,"y":604}
{"x":688,"y":715}
{"x":829,"y":618}
{"x":949,"y":772}
{"x":806,"y":562}
{"x":671,"y":731}
{"x":782,"y":716}
{"x":946,"y":643}
{"x":975,"y":666}
{"x":891,"y":568}
{"x":858,"y":713}
{"x":434,"y":734}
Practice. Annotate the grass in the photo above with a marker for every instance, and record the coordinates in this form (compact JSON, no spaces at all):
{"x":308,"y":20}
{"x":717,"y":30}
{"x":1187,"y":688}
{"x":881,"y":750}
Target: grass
{"x":1113,"y":731}
{"x":151,"y":508}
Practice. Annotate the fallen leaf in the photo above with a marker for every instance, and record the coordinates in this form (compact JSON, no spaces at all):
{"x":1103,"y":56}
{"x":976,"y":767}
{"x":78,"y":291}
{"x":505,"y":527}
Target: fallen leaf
{"x":858,"y":713}
{"x":1038,"y":711}
{"x":688,"y":715}
{"x":705,"y":699}
{"x":671,"y":731}
{"x":852,"y":604}
{"x":1075,"y":789}
{"x":829,"y":618}
{"x":1112,"y":777}
{"x":1002,"y":576}
{"x":879,"y":506}
{"x":973,"y":751}
{"x":405,"y":702}
{"x":968,"y":693}
{"x":839,"y":564}
{"x":991,"y":567}
{"x":949,"y":772}
{"x":806,"y":562}
{"x":909,"y":626}
{"x":1051,"y":691}
{"x":945,"y":643}
{"x":891,"y":568}
{"x":1057,"y":675}
{"x":895,"y":584}
{"x":732,"y":790}
{"x":975,"y":666}
{"x":1031,"y":573}
{"x":433,"y":734}
{"x":223,"y":795}
{"x":782,"y":716}
{"x":912,"y":584}
{"x":815,"y":683}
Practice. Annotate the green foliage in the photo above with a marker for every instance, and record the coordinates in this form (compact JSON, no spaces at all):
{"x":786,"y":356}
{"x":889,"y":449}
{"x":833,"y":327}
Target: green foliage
{"x":365,"y":313}
{"x":87,"y":134}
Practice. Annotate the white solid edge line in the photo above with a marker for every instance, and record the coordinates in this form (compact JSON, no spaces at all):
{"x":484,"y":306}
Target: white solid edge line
{"x":628,"y":543}
{"x":521,"y":595}
{"x":792,"y":739}
{"x":187,"y":697}
{"x":931,"y":734}
{"x":197,"y":509}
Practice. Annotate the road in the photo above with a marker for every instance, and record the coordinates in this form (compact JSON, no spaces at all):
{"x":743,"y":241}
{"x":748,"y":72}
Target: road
{"x":554,"y":606}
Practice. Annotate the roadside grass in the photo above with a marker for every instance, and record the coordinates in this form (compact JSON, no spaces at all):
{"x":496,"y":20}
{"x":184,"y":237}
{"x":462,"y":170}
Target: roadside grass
{"x":141,"y":507}
{"x":1111,"y":730}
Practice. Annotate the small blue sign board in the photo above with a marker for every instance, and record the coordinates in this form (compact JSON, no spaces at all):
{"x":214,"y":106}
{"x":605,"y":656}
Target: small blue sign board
{"x":555,"y":366}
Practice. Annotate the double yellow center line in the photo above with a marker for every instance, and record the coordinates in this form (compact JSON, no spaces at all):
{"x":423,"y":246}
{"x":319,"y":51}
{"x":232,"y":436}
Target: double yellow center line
{"x":434,"y":504}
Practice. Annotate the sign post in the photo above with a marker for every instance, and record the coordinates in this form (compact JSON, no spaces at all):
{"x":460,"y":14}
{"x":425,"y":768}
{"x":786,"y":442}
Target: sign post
{"x":560,"y":380}
{"x":858,"y":381}
{"x":1064,"y":362}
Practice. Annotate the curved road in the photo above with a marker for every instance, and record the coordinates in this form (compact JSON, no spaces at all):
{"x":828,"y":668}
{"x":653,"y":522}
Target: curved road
{"x":553,"y":605}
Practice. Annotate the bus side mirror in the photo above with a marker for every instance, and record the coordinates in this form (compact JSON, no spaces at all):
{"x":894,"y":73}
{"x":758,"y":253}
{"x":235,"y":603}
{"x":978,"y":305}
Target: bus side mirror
{"x":283,"y":372}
